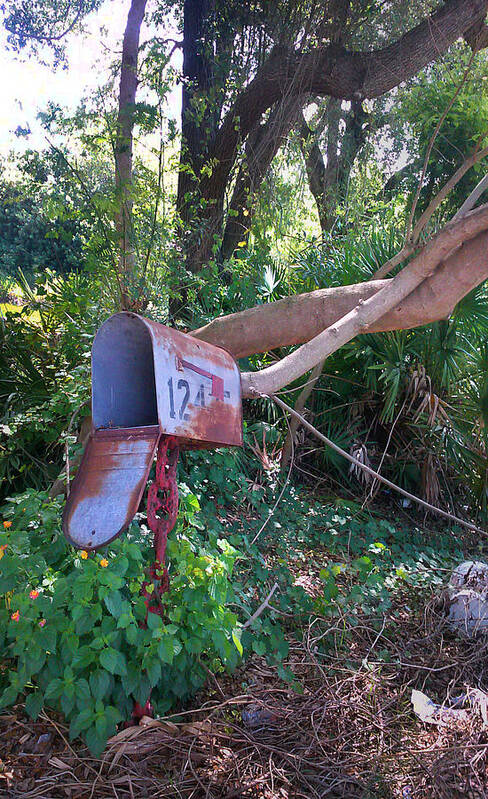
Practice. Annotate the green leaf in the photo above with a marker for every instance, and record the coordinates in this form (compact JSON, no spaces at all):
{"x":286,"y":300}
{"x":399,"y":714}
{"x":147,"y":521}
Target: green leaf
{"x":154,"y":621}
{"x":166,"y":650}
{"x":54,"y":689}
{"x":9,"y":696}
{"x":34,"y":703}
{"x":83,"y":657}
{"x":82,"y":690}
{"x":81,"y":722}
{"x":132,"y":634}
{"x":100,"y":684}
{"x":113,"y":661}
{"x":153,"y":668}
{"x":96,"y":743}
{"x":113,"y":603}
{"x":237,"y":640}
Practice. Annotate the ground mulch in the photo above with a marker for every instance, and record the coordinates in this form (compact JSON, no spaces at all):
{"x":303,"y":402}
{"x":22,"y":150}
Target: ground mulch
{"x":344,"y":728}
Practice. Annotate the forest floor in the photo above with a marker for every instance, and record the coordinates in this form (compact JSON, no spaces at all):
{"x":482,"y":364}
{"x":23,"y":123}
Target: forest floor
{"x":344,"y":728}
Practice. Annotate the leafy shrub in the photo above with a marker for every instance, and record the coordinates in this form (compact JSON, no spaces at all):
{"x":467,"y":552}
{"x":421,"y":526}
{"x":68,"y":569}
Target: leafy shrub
{"x":44,"y":377}
{"x":72,"y":631}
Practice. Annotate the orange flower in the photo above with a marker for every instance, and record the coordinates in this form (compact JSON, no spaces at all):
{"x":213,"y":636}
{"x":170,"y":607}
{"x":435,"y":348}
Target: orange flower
{"x":34,"y":594}
{"x":84,"y":554}
{"x":15,"y":616}
{"x":7,"y":525}
{"x":2,"y":550}
{"x":42,"y":622}
{"x":104,"y":563}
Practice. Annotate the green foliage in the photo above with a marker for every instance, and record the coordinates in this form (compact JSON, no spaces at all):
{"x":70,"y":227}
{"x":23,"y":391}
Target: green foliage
{"x":72,"y":631}
{"x":42,"y":23}
{"x":44,"y":376}
{"x":421,"y":104}
{"x":30,"y":240}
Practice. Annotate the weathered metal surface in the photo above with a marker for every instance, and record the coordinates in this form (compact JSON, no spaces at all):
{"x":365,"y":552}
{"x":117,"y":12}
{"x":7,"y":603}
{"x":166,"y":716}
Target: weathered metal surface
{"x":162,"y":512}
{"x":146,"y":373}
{"x":109,"y":485}
{"x":147,"y":380}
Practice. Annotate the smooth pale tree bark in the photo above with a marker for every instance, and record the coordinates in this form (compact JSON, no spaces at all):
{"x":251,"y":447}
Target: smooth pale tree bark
{"x":269,"y":380}
{"x":426,"y":290}
{"x":297,"y":319}
{"x":123,"y":147}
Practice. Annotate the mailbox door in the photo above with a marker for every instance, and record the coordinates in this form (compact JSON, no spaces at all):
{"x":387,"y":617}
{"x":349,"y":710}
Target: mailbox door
{"x":107,"y":490}
{"x":198,"y":389}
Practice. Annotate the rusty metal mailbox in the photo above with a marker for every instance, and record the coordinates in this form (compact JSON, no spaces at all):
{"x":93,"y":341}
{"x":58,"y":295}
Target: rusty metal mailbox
{"x":148,"y":381}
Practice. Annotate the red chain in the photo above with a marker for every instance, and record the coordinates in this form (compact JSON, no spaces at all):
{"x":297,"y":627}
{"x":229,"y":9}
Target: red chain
{"x":162,"y":498}
{"x":162,"y":511}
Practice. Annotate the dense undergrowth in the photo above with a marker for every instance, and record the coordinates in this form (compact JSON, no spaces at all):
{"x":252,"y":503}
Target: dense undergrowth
{"x":71,"y":633}
{"x":70,"y":626}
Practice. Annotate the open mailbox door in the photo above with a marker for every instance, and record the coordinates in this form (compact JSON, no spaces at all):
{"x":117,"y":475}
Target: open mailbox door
{"x":147,"y":380}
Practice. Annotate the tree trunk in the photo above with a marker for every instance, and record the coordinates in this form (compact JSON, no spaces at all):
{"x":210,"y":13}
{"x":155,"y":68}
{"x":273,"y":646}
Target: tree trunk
{"x":328,"y":183}
{"x":261,"y":147}
{"x":123,"y":148}
{"x":336,"y":72}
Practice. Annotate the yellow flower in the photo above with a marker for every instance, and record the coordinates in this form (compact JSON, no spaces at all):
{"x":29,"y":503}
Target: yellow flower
{"x":241,"y":243}
{"x":245,"y":212}
{"x":84,"y":554}
{"x":2,"y":550}
{"x":104,"y":563}
{"x":7,"y":525}
{"x":34,"y":594}
{"x":15,"y":616}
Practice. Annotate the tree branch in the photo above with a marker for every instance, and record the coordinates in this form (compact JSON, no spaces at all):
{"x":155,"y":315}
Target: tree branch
{"x":271,"y":379}
{"x":334,"y":71}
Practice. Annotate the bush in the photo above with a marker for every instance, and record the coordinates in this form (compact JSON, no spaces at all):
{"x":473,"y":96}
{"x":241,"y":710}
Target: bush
{"x":72,"y":625}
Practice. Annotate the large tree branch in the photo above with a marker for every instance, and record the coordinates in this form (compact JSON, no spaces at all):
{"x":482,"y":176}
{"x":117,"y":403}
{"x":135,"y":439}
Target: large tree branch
{"x":336,"y":72}
{"x":293,"y":366}
{"x":300,"y":318}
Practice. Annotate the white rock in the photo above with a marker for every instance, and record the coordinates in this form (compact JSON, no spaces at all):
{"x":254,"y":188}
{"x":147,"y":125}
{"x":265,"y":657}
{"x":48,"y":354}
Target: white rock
{"x":468,"y":598}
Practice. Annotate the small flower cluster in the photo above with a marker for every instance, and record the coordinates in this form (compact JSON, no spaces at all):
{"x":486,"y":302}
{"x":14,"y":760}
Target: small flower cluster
{"x":103,"y":562}
{"x":33,"y":595}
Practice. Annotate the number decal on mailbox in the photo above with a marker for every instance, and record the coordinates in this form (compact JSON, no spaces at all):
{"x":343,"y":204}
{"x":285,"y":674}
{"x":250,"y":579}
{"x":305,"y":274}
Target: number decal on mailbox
{"x":179,"y":399}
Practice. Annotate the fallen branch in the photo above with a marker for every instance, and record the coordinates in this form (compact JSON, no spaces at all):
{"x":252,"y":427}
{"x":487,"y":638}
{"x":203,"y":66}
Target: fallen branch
{"x":472,"y":199}
{"x":298,"y":318}
{"x":359,"y":319}
{"x":376,"y":475}
{"x":261,"y":608}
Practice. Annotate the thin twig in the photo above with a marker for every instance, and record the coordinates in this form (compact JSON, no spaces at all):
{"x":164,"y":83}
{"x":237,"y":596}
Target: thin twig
{"x":374,"y":474}
{"x":261,"y":608}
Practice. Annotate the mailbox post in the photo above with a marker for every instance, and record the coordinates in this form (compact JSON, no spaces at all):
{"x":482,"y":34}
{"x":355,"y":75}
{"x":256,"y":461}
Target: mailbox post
{"x":153,"y":389}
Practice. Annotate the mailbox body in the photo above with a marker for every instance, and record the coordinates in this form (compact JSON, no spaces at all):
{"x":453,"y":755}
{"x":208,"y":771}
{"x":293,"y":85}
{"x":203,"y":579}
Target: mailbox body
{"x":147,"y":380}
